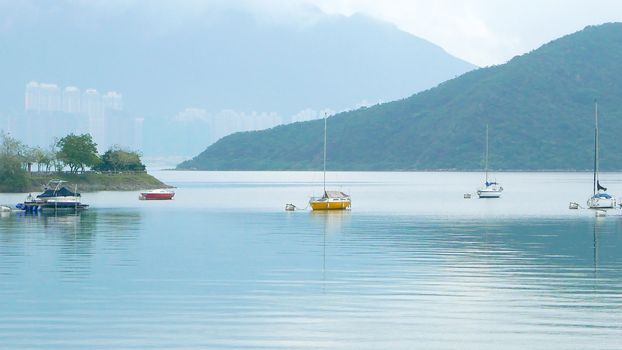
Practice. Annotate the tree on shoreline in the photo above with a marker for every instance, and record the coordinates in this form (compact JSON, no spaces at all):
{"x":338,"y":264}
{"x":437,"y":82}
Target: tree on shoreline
{"x":74,"y":151}
{"x":118,"y":159}
{"x":12,"y":173}
{"x":78,"y":152}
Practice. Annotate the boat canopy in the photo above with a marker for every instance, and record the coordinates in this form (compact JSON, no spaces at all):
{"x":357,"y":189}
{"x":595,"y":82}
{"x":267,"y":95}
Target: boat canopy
{"x":602,"y":195}
{"x":491,"y":183}
{"x":62,"y":192}
{"x":335,"y":194}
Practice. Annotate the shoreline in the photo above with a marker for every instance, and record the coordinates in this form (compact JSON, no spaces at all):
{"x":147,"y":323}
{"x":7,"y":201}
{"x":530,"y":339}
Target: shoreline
{"x":95,"y":181}
{"x":400,"y":171}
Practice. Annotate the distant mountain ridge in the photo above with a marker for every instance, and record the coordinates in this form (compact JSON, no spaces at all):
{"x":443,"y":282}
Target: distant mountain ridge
{"x":539,"y":107}
{"x":218,"y":60}
{"x":221,"y":59}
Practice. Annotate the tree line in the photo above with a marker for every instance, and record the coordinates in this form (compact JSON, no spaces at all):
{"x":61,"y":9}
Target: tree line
{"x":74,"y":152}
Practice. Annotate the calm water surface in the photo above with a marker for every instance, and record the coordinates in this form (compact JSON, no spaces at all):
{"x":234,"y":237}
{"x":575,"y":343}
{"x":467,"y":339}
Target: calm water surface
{"x":223,"y":266}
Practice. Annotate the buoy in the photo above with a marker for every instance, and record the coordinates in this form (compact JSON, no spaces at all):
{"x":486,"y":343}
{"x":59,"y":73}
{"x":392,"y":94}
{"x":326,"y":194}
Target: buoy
{"x":290,"y":207}
{"x":573,"y":205}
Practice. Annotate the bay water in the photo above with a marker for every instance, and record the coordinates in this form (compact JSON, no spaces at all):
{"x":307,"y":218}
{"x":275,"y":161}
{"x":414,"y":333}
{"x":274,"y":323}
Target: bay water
{"x":224,"y":266}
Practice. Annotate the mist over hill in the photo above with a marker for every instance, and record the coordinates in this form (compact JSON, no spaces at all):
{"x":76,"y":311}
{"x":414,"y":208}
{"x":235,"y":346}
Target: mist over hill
{"x":540,"y":108}
{"x":219,"y":58}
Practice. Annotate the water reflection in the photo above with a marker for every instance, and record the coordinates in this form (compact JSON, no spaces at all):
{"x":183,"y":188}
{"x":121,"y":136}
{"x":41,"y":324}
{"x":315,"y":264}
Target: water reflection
{"x":66,"y":242}
{"x":166,"y":278}
{"x":329,"y":224}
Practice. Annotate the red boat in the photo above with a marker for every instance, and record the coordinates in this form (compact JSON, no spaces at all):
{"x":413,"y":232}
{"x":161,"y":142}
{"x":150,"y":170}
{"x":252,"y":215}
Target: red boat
{"x":160,"y":194}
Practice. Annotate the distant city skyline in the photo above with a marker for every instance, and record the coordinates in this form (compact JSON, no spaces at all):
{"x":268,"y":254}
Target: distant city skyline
{"x":52,"y":111}
{"x":47,"y":97}
{"x":225,"y":122}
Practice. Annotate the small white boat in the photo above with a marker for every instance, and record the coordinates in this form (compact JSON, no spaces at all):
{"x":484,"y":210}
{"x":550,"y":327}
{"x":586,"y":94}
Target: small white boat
{"x":5,"y":209}
{"x":600,"y":199}
{"x":491,"y":189}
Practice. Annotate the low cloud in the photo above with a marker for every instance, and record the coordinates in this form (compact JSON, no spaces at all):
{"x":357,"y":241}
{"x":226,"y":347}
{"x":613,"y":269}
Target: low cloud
{"x":483,"y":32}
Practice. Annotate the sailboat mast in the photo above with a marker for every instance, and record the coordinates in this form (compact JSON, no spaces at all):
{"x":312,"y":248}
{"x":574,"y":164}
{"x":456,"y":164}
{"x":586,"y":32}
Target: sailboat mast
{"x":325,"y":152}
{"x":595,"y":145}
{"x":486,"y":162}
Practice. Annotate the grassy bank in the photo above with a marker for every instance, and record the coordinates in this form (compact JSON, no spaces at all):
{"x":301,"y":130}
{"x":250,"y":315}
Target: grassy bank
{"x":89,"y":182}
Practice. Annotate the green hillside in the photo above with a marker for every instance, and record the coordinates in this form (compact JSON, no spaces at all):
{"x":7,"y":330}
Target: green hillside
{"x":539,"y":107}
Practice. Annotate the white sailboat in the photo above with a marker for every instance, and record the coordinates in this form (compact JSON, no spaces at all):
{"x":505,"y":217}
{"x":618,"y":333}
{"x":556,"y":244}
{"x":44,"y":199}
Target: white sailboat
{"x":600,"y":198}
{"x":331,"y":200}
{"x":491,"y":189}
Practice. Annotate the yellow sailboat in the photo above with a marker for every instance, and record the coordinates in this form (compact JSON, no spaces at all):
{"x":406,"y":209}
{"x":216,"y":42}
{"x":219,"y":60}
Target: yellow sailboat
{"x":331,"y":200}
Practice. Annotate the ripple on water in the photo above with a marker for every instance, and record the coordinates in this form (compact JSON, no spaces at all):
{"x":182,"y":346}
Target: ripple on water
{"x":147,"y":278}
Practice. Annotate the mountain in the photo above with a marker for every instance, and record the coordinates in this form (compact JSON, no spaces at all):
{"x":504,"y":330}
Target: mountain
{"x":540,"y":108}
{"x":223,"y":58}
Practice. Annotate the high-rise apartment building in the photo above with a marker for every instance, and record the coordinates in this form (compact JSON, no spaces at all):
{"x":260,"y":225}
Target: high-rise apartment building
{"x":91,"y":103}
{"x":71,"y":100}
{"x":50,"y":97}
{"x":52,"y":112}
{"x":113,"y":100}
{"x":94,"y":109}
{"x":32,"y":96}
{"x":42,"y":97}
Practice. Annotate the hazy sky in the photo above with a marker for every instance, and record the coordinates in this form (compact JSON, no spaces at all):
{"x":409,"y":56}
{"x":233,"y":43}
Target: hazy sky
{"x":483,"y":32}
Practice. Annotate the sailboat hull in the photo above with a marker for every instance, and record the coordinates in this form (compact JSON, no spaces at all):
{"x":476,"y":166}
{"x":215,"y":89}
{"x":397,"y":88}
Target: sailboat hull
{"x":491,"y":190}
{"x":330,"y":204}
{"x":488,"y":194}
{"x":601,"y":203}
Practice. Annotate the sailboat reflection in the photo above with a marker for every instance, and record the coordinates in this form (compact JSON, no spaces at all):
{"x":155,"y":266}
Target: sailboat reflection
{"x":332,"y":223}
{"x":598,"y":222}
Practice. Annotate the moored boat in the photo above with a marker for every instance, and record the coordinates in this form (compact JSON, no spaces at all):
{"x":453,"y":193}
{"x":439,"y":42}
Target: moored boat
{"x":55,"y":196}
{"x":159,"y":194}
{"x":600,"y":199}
{"x":491,"y":189}
{"x":330,"y":200}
